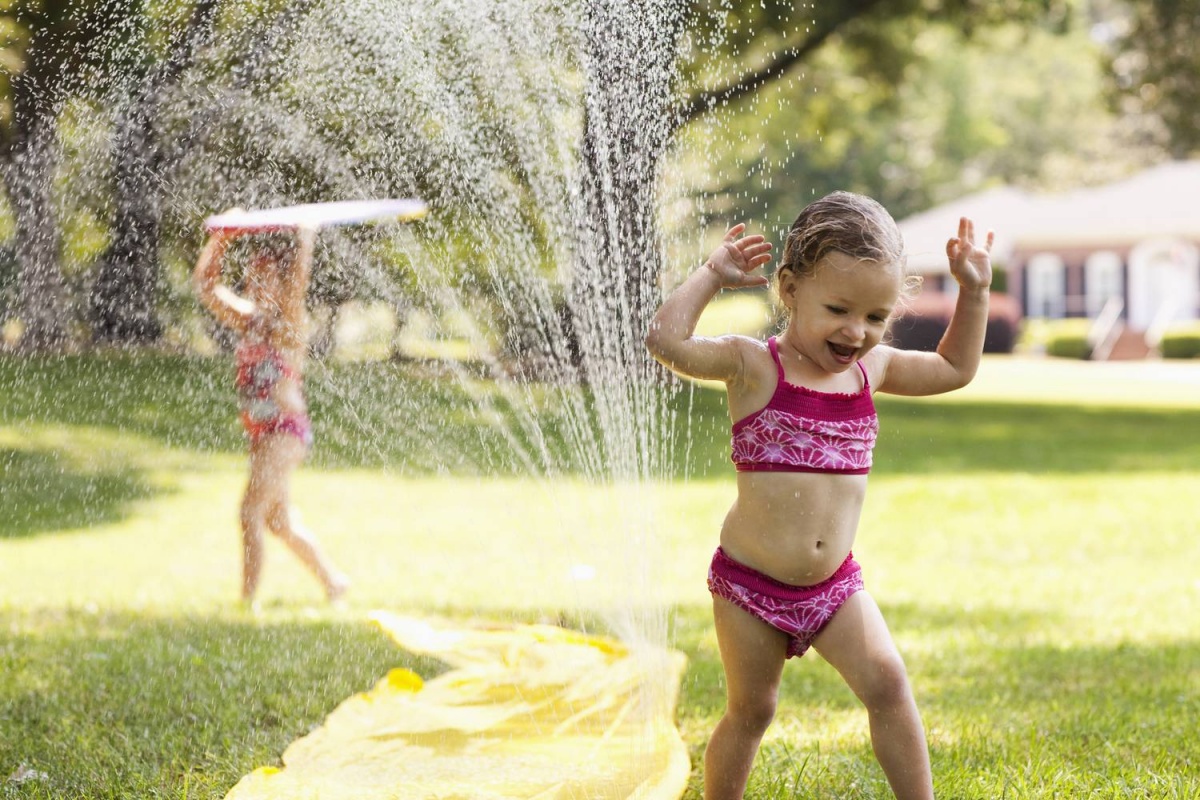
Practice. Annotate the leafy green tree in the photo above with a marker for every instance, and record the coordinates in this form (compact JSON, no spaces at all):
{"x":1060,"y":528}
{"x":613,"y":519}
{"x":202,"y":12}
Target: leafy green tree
{"x":123,"y":301}
{"x":736,"y":48}
{"x":716,"y":52}
{"x":1156,"y":69}
{"x":125,"y":59}
{"x":754,"y":52}
{"x":1017,"y":104}
{"x":199,"y":112}
{"x":46,"y":48}
{"x":57,"y":52}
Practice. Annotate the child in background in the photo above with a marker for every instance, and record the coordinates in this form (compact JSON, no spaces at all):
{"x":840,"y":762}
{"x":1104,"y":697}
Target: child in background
{"x":270,"y":322}
{"x":804,"y":425}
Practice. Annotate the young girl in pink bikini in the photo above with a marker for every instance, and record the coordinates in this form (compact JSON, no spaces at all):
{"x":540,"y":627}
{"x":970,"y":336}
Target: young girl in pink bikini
{"x":784,"y":577}
{"x":270,"y":320}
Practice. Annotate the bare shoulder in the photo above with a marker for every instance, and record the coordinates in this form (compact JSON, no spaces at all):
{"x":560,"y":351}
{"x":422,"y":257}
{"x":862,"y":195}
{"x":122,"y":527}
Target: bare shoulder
{"x":876,"y":364}
{"x":912,"y":373}
{"x":757,"y":364}
{"x":756,"y":352}
{"x":720,"y":358}
{"x":757,"y":379}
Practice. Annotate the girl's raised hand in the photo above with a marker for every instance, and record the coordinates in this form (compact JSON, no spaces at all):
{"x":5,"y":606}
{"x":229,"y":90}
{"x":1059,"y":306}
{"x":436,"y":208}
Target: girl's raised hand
{"x":306,"y":234}
{"x":226,"y":235}
{"x":738,"y":256}
{"x":970,"y":264}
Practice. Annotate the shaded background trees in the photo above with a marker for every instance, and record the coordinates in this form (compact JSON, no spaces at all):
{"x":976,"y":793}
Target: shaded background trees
{"x":49,"y":49}
{"x":1155,"y":75}
{"x":124,"y":123}
{"x":917,"y":110}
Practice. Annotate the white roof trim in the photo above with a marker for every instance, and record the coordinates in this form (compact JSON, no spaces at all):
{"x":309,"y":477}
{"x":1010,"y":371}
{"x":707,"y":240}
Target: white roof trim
{"x":1163,"y":201}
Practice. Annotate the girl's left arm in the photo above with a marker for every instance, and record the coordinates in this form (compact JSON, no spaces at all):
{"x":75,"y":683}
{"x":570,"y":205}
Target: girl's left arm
{"x":671,"y":338}
{"x":295,"y":285}
{"x":912,"y":373}
{"x":229,"y":308}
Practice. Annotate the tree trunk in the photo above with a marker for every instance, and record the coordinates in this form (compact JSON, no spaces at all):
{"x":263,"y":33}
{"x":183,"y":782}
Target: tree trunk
{"x":629,"y":116}
{"x":29,"y":178}
{"x":123,"y":305}
{"x":123,"y":302}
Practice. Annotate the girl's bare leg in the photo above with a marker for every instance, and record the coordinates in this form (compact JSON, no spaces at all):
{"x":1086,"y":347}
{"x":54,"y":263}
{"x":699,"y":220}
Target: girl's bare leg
{"x":261,"y":489}
{"x":285,"y":522}
{"x":859,"y":645}
{"x":283,"y":452}
{"x":753,"y":654}
{"x":252,"y":559}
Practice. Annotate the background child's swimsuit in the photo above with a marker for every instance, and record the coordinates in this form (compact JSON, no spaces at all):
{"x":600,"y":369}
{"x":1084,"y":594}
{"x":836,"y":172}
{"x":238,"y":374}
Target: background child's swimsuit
{"x":803,"y":430}
{"x":260,"y":367}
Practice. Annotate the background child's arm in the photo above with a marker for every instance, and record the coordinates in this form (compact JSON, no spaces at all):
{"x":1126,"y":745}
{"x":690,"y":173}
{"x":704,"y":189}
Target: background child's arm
{"x":958,"y":354}
{"x":671,"y":338}
{"x":295,"y":284}
{"x":223,"y":303}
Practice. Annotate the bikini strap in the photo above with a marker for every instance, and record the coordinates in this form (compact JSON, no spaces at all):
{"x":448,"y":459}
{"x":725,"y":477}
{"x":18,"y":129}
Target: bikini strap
{"x":866,"y":380}
{"x":774,"y":345}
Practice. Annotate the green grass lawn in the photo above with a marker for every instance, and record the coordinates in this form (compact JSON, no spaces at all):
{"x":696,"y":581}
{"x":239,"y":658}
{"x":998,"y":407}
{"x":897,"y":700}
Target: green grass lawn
{"x":1030,"y":539}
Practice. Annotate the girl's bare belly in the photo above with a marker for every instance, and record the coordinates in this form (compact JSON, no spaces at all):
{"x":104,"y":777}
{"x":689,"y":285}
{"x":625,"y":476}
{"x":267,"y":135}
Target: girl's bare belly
{"x":289,"y":397}
{"x":796,"y":527}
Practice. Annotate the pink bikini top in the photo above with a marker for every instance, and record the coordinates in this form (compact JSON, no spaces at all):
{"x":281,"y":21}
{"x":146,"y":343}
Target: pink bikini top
{"x":803,"y":430}
{"x":259,"y":368}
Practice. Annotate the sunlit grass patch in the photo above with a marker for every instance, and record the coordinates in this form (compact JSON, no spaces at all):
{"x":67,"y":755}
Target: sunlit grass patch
{"x":1033,"y":558}
{"x":125,"y":705}
{"x":749,"y":313}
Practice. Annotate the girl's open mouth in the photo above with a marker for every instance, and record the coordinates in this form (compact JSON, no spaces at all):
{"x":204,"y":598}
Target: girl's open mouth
{"x":842,"y":352}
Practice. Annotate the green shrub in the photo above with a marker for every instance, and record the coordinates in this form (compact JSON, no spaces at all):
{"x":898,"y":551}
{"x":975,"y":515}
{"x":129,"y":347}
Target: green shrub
{"x":1069,"y":346}
{"x":1181,"y":341}
{"x":1064,"y":338}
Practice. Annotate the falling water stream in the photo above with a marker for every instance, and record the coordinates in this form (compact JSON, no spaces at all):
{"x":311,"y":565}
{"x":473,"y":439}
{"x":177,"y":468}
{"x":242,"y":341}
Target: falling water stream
{"x":478,"y":107}
{"x":535,"y":130}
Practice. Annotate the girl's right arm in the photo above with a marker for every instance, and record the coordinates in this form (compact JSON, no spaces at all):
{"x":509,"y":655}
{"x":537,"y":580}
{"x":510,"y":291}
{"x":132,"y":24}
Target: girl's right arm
{"x":295,"y":286}
{"x":671,"y":338}
{"x":229,"y":309}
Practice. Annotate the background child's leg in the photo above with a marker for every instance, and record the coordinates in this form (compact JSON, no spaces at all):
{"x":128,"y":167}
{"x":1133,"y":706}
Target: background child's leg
{"x":859,"y":645}
{"x":285,"y":452}
{"x":753,"y":654}
{"x":286,"y":523}
{"x":260,"y":490}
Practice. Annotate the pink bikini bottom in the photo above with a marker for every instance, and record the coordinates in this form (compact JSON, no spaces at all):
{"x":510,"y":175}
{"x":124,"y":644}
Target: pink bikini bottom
{"x":297,"y":425}
{"x":799,"y":611}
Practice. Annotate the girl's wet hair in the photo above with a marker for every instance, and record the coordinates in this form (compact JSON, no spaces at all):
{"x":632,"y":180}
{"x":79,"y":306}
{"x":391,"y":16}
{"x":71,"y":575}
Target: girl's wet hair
{"x":844,"y":222}
{"x":273,"y":249}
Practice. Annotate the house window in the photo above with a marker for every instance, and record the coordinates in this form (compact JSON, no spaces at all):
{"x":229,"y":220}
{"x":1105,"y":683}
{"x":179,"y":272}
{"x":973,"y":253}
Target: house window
{"x":1046,"y":277}
{"x":1102,"y":281}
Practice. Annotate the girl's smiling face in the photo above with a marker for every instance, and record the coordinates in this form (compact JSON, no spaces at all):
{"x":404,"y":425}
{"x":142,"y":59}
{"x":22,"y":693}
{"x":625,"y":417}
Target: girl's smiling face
{"x":841,"y":310}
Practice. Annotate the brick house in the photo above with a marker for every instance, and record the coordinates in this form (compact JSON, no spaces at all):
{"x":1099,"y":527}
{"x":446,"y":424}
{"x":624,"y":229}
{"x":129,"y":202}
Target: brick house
{"x":1125,"y":255}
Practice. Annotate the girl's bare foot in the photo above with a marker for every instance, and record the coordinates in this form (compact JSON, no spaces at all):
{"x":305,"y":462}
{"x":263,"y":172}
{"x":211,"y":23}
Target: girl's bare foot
{"x":252,"y":605}
{"x":337,"y":588}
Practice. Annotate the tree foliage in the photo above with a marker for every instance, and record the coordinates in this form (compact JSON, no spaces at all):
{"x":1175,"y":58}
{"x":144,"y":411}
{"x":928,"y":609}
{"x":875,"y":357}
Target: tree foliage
{"x":1156,"y":69}
{"x":917,"y":112}
{"x":48,"y":47}
{"x":211,"y":103}
{"x":736,"y":48}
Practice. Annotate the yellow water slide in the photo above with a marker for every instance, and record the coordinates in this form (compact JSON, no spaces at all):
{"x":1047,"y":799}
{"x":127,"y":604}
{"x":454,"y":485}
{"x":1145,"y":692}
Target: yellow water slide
{"x":529,"y":711}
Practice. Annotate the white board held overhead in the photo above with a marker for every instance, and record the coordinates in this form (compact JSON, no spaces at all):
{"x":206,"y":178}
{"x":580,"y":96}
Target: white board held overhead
{"x":316,"y":215}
